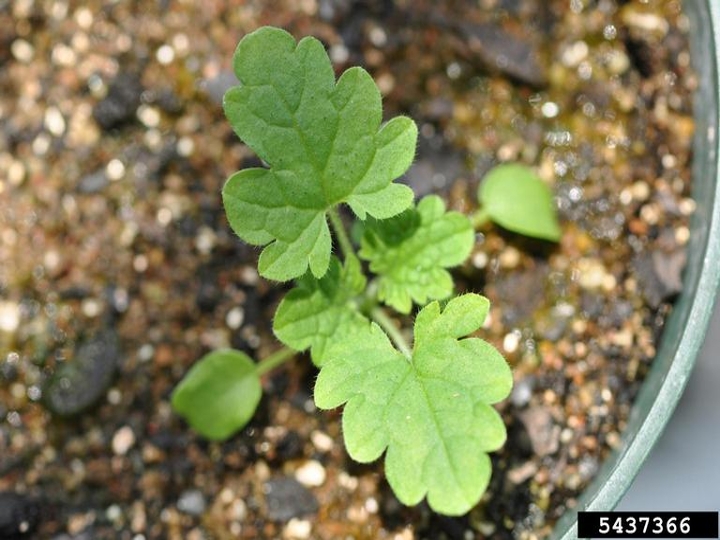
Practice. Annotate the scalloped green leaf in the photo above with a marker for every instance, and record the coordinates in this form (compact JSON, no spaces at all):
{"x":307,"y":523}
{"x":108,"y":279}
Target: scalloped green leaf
{"x":432,"y":413}
{"x":219,"y":394}
{"x":410,"y":252}
{"x":515,"y":198}
{"x":324,"y":146}
{"x":317,"y":312}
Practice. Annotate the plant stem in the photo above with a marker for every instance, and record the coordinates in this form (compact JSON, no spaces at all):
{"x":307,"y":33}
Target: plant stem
{"x":342,"y":237}
{"x":479,"y":218}
{"x":380,"y":317}
{"x":276,"y":359}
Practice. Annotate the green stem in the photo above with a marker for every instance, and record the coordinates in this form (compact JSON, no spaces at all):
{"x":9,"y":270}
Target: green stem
{"x":380,"y":317}
{"x":368,"y":299}
{"x":342,"y":237}
{"x":479,"y":218}
{"x":276,"y":359}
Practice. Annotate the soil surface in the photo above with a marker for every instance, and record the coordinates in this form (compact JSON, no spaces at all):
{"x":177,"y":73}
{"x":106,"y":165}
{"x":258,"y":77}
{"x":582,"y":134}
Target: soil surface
{"x":119,"y":269}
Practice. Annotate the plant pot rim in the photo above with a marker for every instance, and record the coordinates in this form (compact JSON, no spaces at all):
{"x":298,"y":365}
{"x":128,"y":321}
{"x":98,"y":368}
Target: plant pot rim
{"x":687,"y":325}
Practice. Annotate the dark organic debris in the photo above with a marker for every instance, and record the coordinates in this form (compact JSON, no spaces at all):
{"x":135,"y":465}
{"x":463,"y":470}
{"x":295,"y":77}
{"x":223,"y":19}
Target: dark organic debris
{"x":287,"y":498}
{"x":660,"y":275}
{"x":19,"y":515}
{"x":521,"y":293}
{"x":80,"y":382}
{"x":543,"y":432}
{"x":120,"y":103}
{"x":511,"y":54}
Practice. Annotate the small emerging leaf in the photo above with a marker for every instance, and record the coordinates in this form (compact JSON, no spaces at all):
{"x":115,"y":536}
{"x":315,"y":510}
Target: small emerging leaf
{"x":515,"y":198}
{"x":432,"y":415}
{"x":219,"y":395}
{"x":317,"y":312}
{"x":323,"y":143}
{"x":411,"y":251}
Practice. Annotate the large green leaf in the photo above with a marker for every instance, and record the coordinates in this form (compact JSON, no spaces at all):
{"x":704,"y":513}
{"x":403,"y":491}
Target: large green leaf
{"x":411,"y":251}
{"x":219,"y":395}
{"x":431,"y":413}
{"x":324,"y":146}
{"x":515,"y":198}
{"x":317,"y":312}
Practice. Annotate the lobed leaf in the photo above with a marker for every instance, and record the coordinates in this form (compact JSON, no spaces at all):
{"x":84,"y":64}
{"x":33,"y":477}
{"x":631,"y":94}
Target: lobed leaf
{"x":515,"y":198}
{"x":317,"y":312}
{"x":431,"y":414}
{"x":219,"y":395}
{"x":411,"y":251}
{"x":324,"y":146}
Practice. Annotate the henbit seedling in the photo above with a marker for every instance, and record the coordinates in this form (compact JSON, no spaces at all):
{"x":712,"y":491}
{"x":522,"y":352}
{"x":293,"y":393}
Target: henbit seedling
{"x":426,"y":405}
{"x":513,"y":196}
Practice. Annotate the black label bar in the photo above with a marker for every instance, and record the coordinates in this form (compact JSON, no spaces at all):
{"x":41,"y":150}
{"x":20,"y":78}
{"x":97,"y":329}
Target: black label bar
{"x":647,"y":524}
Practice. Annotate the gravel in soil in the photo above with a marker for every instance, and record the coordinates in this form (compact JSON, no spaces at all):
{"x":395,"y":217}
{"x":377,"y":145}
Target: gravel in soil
{"x":119,"y":270}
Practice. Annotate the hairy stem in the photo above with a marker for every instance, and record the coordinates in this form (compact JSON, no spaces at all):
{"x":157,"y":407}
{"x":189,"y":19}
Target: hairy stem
{"x":276,"y":359}
{"x":341,"y":234}
{"x":380,"y":317}
{"x":479,"y":218}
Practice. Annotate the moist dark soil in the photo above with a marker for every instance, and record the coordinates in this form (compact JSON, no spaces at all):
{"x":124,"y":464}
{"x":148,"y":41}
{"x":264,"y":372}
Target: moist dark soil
{"x":119,"y":269}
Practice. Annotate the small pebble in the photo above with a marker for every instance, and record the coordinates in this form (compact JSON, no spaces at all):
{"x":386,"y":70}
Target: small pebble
{"x":123,"y":440}
{"x":181,"y":43}
{"x":405,"y":534}
{"x":322,"y":441}
{"x":152,"y":454}
{"x":185,"y":146}
{"x":34,"y":393}
{"x":16,"y":173}
{"x":139,"y":517}
{"x":511,"y":341}
{"x":591,"y":273}
{"x":62,"y":55}
{"x":41,"y":144}
{"x":235,"y":318}
{"x":146,"y":352}
{"x":644,"y":21}
{"x":165,"y":54}
{"x":22,"y":51}
{"x":521,"y":392}
{"x":575,"y":53}
{"x":480,"y":260}
{"x":339,"y":53}
{"x":521,"y":473}
{"x":114,"y":396}
{"x":297,"y":529}
{"x":9,"y":316}
{"x":150,"y":116}
{"x":687,"y":207}
{"x":510,"y":258}
{"x":115,"y":169}
{"x":311,"y":474}
{"x":618,"y":63}
{"x":113,"y":512}
{"x":682,"y":235}
{"x":205,"y":240}
{"x":191,"y":502}
{"x":91,"y":307}
{"x":348,"y":482}
{"x":550,"y":109}
{"x":54,"y":121}
{"x":238,"y":510}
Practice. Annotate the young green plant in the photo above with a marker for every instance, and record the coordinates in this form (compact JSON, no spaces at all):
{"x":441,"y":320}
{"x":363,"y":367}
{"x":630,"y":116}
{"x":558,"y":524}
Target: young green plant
{"x":426,"y":404}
